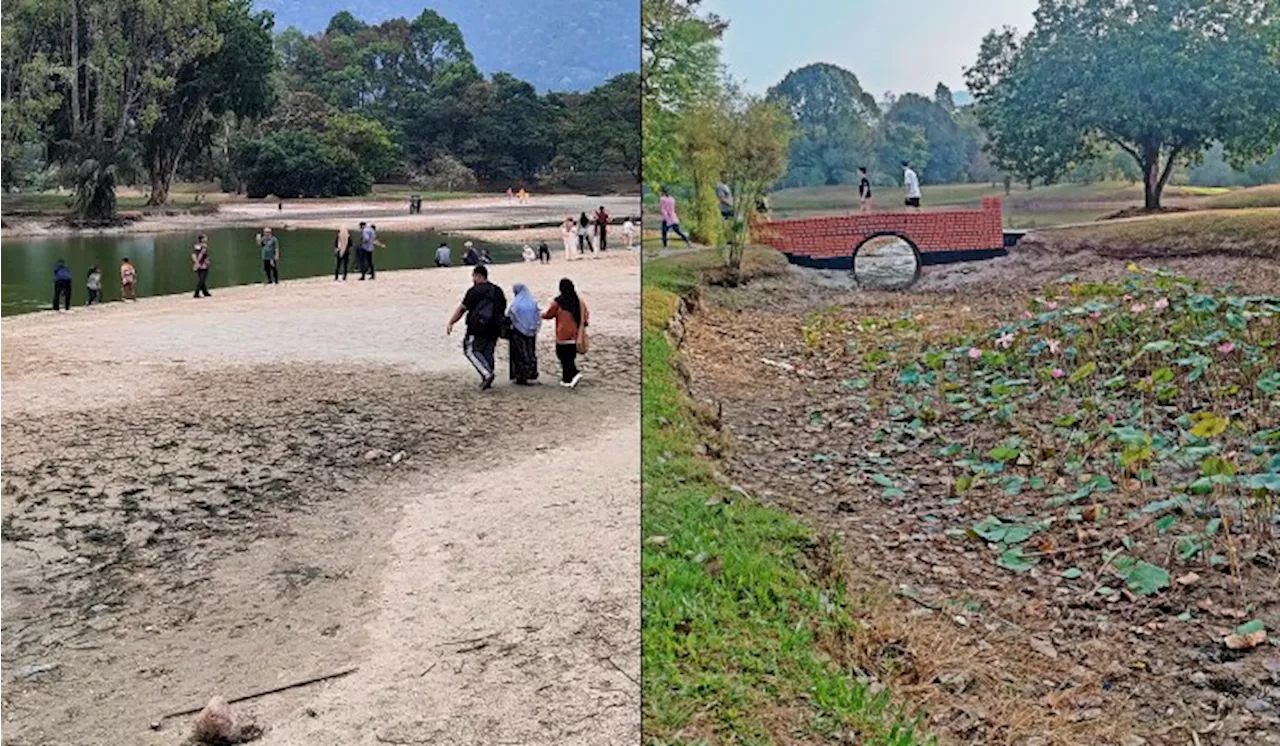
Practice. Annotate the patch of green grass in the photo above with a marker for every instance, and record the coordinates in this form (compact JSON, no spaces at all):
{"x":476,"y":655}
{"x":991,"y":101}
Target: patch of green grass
{"x":733,"y":622}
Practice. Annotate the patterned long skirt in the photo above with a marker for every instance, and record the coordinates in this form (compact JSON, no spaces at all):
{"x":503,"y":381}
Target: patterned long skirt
{"x":524,"y":358}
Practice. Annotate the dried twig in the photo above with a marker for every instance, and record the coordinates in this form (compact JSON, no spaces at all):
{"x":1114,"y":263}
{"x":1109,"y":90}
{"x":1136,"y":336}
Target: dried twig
{"x":619,"y":669}
{"x":265,"y":692}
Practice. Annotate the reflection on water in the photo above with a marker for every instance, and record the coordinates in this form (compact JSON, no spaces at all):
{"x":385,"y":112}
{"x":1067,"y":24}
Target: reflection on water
{"x":885,"y":263}
{"x":163,"y":261}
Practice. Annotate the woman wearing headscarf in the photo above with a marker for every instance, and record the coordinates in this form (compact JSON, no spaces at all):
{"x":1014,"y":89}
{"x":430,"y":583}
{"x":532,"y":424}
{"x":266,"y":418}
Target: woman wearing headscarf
{"x":525,"y":322}
{"x":571,"y":318}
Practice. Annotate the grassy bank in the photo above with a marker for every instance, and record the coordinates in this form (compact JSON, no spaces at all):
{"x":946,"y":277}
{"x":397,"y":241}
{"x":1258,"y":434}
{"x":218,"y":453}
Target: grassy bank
{"x":745,"y":614}
{"x":1236,"y":232}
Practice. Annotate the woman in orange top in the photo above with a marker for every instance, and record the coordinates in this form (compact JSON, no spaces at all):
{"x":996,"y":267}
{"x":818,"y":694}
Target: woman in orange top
{"x":571,"y":318}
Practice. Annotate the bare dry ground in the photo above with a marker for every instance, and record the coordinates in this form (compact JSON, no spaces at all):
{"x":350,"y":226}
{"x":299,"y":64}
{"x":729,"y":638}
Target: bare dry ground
{"x":218,"y":496}
{"x":392,"y":215}
{"x":993,"y":658}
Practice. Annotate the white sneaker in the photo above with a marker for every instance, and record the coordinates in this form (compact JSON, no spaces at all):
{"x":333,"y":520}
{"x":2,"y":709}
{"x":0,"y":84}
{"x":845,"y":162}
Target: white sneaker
{"x":574,"y":383}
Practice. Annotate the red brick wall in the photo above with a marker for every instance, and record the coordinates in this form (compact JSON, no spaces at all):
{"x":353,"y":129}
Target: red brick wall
{"x":931,"y":231}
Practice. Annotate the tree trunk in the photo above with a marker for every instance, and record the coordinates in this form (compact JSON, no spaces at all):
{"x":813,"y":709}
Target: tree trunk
{"x":160,"y":183}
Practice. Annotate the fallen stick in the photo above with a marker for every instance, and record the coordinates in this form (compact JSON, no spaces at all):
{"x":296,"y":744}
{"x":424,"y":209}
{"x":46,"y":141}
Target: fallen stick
{"x":265,"y":692}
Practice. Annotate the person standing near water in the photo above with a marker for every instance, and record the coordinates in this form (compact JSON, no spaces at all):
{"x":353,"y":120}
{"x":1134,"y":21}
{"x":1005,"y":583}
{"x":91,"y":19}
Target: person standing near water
{"x":342,"y":254}
{"x":484,"y":305}
{"x":93,"y":284}
{"x":629,"y":232}
{"x":200,"y":264}
{"x":368,"y":240}
{"x":62,"y":285}
{"x":602,"y":227}
{"x":670,"y":221}
{"x":128,"y":280}
{"x":567,"y":236}
{"x":584,"y":233}
{"x":571,"y":318}
{"x":270,"y":246}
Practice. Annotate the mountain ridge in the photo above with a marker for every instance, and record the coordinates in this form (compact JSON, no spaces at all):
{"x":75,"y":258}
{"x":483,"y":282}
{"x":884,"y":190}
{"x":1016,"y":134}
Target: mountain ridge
{"x":556,"y":45}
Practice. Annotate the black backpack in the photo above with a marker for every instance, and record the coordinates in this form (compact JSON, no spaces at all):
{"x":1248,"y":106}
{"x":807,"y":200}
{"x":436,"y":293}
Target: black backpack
{"x":485,"y":316}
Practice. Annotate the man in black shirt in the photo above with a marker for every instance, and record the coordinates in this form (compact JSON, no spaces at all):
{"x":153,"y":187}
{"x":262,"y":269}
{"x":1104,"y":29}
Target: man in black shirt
{"x":484,"y":305}
{"x":864,"y":189}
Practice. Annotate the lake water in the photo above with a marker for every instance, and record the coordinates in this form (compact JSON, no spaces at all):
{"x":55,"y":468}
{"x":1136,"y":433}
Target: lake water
{"x":164,"y":261}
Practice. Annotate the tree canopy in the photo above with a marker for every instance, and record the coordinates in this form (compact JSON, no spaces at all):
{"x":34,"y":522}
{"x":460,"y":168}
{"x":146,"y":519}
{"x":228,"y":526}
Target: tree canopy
{"x":837,"y":124}
{"x":1160,"y":81}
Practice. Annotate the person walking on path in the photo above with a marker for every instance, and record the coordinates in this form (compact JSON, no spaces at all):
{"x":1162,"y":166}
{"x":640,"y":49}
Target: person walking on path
{"x":725,"y":197}
{"x":568,"y":232}
{"x":200,"y":264}
{"x":444,"y":255}
{"x":584,"y":233}
{"x":864,"y":190}
{"x":270,"y":246}
{"x":670,"y":221}
{"x":128,"y":280}
{"x":911,"y":183}
{"x":341,"y":254}
{"x":602,"y":228}
{"x":571,"y":317}
{"x":484,"y":305}
{"x":629,"y":232}
{"x":526,"y":320}
{"x":62,"y":285}
{"x":544,"y":253}
{"x":93,"y":284}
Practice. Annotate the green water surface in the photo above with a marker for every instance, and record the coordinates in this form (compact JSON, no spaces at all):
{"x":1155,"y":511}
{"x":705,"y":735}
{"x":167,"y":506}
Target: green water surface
{"x":163,"y":261}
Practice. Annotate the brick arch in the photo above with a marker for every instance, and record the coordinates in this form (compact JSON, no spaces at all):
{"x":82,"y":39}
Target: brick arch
{"x":940,"y":236}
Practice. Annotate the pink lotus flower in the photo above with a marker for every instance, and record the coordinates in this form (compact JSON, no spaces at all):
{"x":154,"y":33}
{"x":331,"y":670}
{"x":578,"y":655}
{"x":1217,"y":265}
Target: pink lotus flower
{"x":1005,"y":340}
{"x":1058,"y":373}
{"x":1026,"y":314}
{"x":974,"y":353}
{"x":1051,"y":305}
{"x":1053,"y":345}
{"x":1161,"y":304}
{"x":1226,"y":348}
{"x":1095,"y":315}
{"x":1138,"y":307}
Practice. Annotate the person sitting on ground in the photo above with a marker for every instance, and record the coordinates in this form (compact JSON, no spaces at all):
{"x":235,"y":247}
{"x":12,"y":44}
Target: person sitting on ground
{"x":485,"y":258}
{"x":94,"y":285}
{"x":62,"y":285}
{"x":484,"y":305}
{"x":472,"y":257}
{"x":571,"y":318}
{"x":528,"y":254}
{"x":544,"y":253}
{"x":444,"y":255}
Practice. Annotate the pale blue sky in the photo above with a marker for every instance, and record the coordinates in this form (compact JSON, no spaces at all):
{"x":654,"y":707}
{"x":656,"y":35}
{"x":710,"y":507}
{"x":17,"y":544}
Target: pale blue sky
{"x":891,"y":46}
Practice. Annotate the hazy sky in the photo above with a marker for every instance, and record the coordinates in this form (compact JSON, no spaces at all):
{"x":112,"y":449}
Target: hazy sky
{"x":890,"y":46}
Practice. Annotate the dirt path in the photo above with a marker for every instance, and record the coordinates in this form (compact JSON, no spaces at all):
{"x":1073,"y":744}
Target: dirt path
{"x":391,"y":215}
{"x":190,"y":509}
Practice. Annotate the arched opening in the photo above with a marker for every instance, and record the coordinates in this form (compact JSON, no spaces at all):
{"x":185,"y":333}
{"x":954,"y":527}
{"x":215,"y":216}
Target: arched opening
{"x":886,"y":261}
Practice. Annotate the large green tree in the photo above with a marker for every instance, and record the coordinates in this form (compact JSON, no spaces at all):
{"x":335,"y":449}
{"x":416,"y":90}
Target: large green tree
{"x":679,"y":70}
{"x":234,"y":78}
{"x":1159,"y":80}
{"x":837,"y":125}
{"x":604,"y":130}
